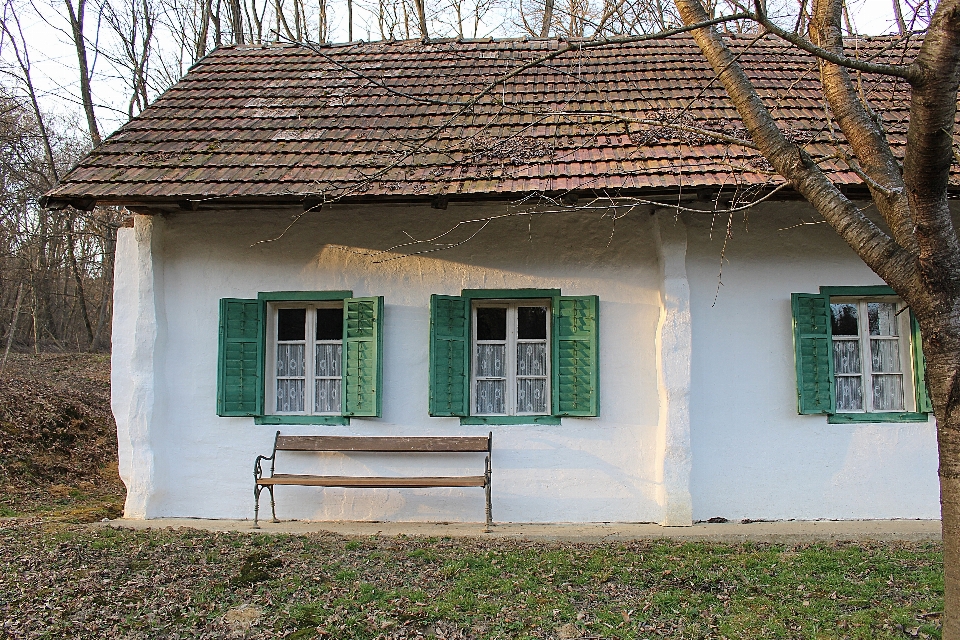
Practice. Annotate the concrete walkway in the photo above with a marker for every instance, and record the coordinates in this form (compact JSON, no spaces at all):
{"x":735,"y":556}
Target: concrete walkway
{"x":782,"y":532}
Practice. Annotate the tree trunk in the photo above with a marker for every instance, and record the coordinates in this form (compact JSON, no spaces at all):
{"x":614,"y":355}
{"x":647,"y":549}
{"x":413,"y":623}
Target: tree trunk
{"x":921,"y":261}
{"x":13,"y":326}
{"x":106,"y":296}
{"x":422,"y":17}
{"x":236,"y":21}
{"x":217,"y":26}
{"x":547,"y":18}
{"x":941,"y":348}
{"x":86,"y":96}
{"x":78,"y":280}
{"x":200,"y":49}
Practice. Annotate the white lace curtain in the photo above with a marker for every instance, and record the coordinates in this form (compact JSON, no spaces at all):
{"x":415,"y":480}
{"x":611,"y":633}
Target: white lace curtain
{"x":531,"y":375}
{"x":882,"y":346}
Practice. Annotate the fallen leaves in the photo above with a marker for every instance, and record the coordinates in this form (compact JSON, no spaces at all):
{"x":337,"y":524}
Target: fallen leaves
{"x":58,"y":439}
{"x":98,"y":582}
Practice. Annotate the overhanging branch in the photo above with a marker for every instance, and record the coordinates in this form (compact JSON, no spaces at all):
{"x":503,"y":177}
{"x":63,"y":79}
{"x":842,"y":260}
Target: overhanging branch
{"x":894,"y":264}
{"x":910,"y":73}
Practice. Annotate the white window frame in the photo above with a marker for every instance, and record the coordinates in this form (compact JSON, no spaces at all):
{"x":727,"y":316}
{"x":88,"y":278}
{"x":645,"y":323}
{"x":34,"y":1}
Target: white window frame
{"x":866,"y":359}
{"x":309,"y":392}
{"x":510,"y":364}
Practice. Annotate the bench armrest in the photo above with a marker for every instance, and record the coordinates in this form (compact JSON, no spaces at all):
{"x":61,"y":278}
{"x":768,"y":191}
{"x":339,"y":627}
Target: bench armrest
{"x":257,"y":470}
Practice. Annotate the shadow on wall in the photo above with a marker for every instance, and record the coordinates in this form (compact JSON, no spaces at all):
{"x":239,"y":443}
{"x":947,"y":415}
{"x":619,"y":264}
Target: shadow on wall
{"x":529,"y":245}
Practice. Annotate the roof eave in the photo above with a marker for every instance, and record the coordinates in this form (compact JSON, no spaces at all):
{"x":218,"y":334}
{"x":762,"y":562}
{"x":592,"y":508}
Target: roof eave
{"x":660,"y":196}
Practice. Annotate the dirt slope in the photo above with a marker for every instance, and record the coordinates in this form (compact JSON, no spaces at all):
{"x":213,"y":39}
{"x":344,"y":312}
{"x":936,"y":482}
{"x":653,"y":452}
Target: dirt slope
{"x":58,"y":440}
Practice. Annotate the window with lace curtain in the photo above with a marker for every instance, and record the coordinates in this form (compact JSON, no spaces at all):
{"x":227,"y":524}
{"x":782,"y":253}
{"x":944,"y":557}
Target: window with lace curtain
{"x":511,"y":358}
{"x":871,"y":355}
{"x":514,"y":356}
{"x":305,"y":359}
{"x":300,"y":357}
{"x":859,"y":356}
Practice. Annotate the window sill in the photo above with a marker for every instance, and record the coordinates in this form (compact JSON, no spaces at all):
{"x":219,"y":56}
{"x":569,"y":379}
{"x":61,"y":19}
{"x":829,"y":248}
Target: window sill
{"x":854,"y":418}
{"x":510,"y":420}
{"x":341,"y":420}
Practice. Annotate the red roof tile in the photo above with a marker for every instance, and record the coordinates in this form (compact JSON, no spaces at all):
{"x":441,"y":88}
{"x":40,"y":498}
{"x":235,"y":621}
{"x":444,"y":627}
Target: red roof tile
{"x":386,"y":120}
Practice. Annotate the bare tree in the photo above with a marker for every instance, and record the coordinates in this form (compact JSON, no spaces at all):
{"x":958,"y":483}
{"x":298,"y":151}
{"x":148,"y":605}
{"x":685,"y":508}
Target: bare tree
{"x":547,"y":21}
{"x":187,"y":25}
{"x":463,"y":17}
{"x":235,"y":18}
{"x":918,"y":253}
{"x":421,"y":7}
{"x":390,"y":17}
{"x":200,"y":48}
{"x":48,"y":258}
{"x":323,"y":22}
{"x":76,"y":17}
{"x":134,"y":24}
{"x":350,"y":19}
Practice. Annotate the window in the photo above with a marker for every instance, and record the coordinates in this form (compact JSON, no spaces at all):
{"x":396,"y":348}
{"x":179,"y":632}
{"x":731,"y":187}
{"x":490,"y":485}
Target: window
{"x":300,"y":357}
{"x":868,"y":332}
{"x":306,"y":373}
{"x":858,"y":356}
{"x":515,"y":356}
{"x":510,"y":358}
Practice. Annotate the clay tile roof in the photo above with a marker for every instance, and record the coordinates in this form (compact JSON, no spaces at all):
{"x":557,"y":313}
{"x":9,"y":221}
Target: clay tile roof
{"x":386,"y":120}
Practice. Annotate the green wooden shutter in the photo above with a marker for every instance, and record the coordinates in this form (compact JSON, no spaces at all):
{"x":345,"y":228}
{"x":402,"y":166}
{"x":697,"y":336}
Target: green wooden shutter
{"x":576,"y":356}
{"x":449,"y":356}
{"x":813,"y":343}
{"x":240,"y":361}
{"x":924,"y":405}
{"x":362,"y":356}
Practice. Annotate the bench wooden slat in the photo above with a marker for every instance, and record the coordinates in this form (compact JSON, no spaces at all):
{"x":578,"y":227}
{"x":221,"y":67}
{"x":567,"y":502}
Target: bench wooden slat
{"x":438,"y":444}
{"x":373,"y":483}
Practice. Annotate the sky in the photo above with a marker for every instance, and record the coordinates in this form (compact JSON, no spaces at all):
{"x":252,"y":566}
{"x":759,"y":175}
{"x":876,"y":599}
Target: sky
{"x":53,"y":57}
{"x":872,"y":17}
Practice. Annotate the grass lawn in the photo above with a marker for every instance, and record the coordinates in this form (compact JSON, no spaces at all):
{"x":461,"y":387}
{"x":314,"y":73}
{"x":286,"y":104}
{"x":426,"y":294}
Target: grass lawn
{"x":62,"y":578}
{"x":82,"y":581}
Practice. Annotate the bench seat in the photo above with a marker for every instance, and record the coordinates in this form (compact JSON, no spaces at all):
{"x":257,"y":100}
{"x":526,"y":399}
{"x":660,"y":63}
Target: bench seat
{"x":373,"y":482}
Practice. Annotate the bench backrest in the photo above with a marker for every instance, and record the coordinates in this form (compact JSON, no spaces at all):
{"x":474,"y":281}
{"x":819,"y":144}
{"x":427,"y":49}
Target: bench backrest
{"x":440,"y":444}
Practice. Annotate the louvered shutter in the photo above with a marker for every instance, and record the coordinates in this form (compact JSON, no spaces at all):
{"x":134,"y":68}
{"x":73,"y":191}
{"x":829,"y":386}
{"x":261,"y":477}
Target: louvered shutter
{"x":814,"y":353}
{"x":449,"y":356}
{"x":576,"y":356}
{"x":924,"y":405}
{"x":362,"y":356}
{"x":240,"y":362}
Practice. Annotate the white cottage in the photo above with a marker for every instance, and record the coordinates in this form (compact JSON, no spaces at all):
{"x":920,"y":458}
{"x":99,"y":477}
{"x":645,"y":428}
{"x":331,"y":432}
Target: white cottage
{"x":357,"y":240}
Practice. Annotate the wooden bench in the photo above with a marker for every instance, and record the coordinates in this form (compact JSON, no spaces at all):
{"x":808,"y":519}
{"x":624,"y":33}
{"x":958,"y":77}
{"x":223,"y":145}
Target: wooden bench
{"x":443,"y":444}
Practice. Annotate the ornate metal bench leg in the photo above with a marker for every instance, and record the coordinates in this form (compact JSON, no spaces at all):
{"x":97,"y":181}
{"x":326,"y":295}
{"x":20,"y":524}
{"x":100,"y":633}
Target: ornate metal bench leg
{"x":256,"y":506}
{"x":489,"y":509}
{"x":487,"y":489}
{"x":273,"y":505}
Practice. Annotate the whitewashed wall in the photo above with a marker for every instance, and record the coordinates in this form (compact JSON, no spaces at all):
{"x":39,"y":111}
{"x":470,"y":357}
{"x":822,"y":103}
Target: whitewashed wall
{"x":754,"y":456}
{"x":583,"y":470}
{"x":684,"y":383}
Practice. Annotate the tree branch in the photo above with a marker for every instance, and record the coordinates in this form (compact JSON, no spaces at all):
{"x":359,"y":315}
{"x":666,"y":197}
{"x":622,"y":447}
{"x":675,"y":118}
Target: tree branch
{"x":879,"y":251}
{"x":860,"y":128}
{"x":907,"y":72}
